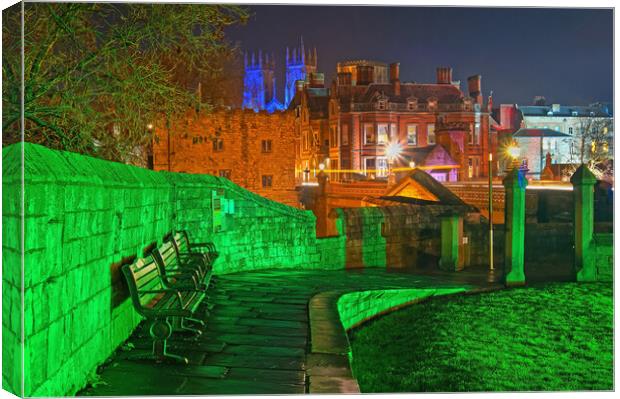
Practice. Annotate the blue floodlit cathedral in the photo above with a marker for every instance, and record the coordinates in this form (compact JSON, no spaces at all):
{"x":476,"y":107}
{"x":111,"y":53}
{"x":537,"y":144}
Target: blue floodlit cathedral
{"x":259,"y":82}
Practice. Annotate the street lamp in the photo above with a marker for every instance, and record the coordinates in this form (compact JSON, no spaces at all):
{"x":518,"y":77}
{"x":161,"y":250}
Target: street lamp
{"x":392,"y":151}
{"x":513,"y":152}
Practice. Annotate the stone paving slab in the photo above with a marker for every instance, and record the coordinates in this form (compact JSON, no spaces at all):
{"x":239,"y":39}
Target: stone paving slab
{"x":257,"y":337}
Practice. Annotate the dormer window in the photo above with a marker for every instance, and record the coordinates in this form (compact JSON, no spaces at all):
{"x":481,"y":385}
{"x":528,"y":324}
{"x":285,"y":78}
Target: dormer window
{"x":382,"y":104}
{"x":432,"y":103}
{"x":574,"y":113}
{"x":467,"y":103}
{"x":412,"y":104}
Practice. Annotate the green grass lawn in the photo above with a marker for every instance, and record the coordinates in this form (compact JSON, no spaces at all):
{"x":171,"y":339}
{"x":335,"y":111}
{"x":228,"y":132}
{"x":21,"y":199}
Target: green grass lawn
{"x":551,"y":337}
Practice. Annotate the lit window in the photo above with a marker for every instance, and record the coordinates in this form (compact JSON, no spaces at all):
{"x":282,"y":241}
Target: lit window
{"x":225,"y":173}
{"x":334,"y":136}
{"x":266,"y":145}
{"x":383,"y":133}
{"x":344,"y":134}
{"x":412,"y":134}
{"x":369,"y":134}
{"x":267,"y":181}
{"x":369,"y":165}
{"x":218,"y":144}
{"x":430,"y":133}
{"x":393,"y":132}
{"x":382,"y":167}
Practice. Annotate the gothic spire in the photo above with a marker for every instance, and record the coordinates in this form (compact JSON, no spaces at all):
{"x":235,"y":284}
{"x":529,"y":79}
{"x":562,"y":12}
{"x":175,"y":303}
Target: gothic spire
{"x":303,"y":51}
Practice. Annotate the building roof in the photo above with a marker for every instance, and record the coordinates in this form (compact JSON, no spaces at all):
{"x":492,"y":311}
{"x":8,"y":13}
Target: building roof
{"x":525,"y":132}
{"x":432,"y":155}
{"x":444,"y":93}
{"x":596,"y":110}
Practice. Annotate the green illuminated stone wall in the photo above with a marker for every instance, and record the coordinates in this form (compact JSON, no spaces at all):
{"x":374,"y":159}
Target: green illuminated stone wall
{"x":356,"y":307}
{"x":11,"y":276}
{"x":82,"y":217}
{"x":604,"y":253}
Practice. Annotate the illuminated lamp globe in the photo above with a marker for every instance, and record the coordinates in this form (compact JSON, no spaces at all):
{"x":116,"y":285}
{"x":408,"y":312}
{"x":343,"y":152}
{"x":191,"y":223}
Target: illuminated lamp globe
{"x":393,"y":150}
{"x":321,"y":166}
{"x":513,"y":151}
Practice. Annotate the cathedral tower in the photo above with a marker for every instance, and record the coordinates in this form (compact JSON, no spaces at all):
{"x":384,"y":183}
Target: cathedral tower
{"x":299,"y":65}
{"x":258,"y":81}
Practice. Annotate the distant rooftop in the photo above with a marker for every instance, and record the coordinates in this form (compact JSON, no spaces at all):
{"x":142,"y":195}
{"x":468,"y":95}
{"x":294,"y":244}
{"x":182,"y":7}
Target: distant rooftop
{"x":539,"y":133}
{"x":597,"y":110}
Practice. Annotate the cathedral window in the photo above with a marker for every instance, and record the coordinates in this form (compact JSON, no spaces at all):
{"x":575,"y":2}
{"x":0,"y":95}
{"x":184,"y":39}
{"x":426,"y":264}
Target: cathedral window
{"x":266,"y":146}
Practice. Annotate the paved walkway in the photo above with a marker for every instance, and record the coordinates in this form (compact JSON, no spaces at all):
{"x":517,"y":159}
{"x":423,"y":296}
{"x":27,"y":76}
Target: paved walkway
{"x":257,"y":336}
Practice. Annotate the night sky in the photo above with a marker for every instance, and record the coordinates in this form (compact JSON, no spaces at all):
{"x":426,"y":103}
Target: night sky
{"x":562,"y":54}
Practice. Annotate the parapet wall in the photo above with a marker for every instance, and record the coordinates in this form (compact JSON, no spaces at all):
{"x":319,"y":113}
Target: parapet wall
{"x":82,"y":217}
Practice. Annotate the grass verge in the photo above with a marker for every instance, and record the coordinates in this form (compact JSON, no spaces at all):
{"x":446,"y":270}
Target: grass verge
{"x":552,"y":337}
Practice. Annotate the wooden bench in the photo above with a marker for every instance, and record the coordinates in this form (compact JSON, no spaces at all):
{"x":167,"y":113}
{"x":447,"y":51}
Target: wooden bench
{"x":189,"y":271}
{"x":161,"y":304}
{"x":194,"y":249}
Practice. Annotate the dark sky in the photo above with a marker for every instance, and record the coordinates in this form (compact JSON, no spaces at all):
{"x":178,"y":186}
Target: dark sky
{"x":562,"y":54}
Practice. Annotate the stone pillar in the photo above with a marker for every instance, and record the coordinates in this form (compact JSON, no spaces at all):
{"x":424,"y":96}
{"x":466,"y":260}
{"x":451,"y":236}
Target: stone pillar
{"x":451,"y":239}
{"x":583,"y":226}
{"x":321,"y":208}
{"x":514,"y":227}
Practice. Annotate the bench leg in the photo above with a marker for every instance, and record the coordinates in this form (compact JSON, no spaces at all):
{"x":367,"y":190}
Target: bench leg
{"x":160,"y":332}
{"x":179,"y":325}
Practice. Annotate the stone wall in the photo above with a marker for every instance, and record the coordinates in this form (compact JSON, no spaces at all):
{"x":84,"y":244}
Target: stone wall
{"x":604,"y":243}
{"x":188,"y":146}
{"x":395,"y":236}
{"x":83,"y":217}
{"x":355,"y":308}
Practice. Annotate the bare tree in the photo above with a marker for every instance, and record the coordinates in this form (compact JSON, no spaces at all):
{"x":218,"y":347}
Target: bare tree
{"x":592,"y":144}
{"x":96,"y":75}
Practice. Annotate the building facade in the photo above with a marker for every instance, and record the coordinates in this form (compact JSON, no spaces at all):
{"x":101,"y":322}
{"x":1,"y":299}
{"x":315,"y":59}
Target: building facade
{"x":368,"y":122}
{"x":244,"y":146}
{"x":569,"y":134}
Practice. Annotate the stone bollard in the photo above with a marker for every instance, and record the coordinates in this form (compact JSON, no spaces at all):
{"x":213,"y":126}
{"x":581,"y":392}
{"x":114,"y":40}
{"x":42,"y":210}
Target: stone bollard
{"x":451,"y":239}
{"x":514,"y":227}
{"x":583,"y":226}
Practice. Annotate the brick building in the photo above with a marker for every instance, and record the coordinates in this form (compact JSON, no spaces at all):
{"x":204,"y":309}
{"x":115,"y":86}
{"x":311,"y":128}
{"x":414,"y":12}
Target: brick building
{"x":349,"y":127}
{"x":241,"y":145}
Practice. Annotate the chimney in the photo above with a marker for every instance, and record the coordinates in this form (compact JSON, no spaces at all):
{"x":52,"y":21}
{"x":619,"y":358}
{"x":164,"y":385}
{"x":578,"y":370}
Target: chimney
{"x":444,"y":75}
{"x":475,"y":88}
{"x":540,"y":100}
{"x":395,"y":77}
{"x":365,"y":74}
{"x":317,"y":80}
{"x":344,"y":78}
{"x":299,"y":86}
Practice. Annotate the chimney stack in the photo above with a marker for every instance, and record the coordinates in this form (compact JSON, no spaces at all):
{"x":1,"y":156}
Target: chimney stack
{"x":317,"y":80}
{"x":444,"y":75}
{"x":395,"y":77}
{"x":365,"y":75}
{"x":474,"y":84}
{"x":299,"y":86}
